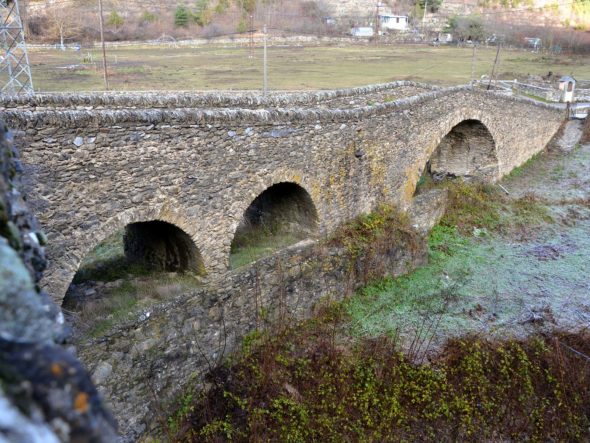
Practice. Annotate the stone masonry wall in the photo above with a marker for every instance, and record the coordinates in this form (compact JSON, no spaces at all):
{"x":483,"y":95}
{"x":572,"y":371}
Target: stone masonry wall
{"x":175,"y":100}
{"x":90,"y":173}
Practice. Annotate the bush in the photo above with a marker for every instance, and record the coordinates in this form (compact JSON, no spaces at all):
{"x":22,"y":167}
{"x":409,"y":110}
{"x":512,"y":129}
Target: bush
{"x":147,"y":17}
{"x":242,"y":27}
{"x":466,"y":27}
{"x":301,"y":384}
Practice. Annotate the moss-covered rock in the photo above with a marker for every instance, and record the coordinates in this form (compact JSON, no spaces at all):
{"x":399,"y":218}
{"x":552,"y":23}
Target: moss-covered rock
{"x":45,"y":393}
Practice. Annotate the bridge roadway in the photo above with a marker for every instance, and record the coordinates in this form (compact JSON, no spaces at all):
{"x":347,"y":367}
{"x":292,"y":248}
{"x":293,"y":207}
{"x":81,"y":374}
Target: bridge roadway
{"x":95,"y":163}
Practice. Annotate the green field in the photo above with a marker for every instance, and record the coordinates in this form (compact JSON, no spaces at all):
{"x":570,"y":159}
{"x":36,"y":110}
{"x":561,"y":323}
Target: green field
{"x":290,"y":68}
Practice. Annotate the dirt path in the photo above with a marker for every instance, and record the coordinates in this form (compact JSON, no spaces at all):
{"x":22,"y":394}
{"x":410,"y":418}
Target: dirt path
{"x":498,"y":285}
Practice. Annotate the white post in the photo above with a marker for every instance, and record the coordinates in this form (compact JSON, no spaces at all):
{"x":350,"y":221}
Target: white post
{"x":265,"y":79}
{"x":424,"y":17}
{"x":104,"y":51}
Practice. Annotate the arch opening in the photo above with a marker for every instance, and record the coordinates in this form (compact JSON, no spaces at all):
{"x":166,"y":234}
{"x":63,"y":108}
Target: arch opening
{"x":161,"y":246}
{"x":136,"y":262}
{"x":280,"y":216}
{"x":468,"y":150}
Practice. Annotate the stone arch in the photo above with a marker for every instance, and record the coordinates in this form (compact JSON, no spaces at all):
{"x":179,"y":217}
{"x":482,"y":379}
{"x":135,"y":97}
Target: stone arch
{"x":142,"y":221}
{"x":464,"y":145}
{"x":280,"y":203}
{"x":259,"y":184}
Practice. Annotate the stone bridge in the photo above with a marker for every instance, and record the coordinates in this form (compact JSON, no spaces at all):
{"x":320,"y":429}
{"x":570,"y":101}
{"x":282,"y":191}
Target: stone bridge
{"x":185,"y":173}
{"x":98,"y":163}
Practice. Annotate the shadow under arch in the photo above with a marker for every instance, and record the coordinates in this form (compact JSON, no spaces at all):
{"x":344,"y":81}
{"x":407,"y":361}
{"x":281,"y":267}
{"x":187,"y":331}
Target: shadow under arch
{"x":282,"y":214}
{"x":158,"y":237}
{"x":465,"y":147}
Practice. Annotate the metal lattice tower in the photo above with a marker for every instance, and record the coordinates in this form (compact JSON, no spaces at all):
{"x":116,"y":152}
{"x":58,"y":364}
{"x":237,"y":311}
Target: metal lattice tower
{"x":15,"y":71}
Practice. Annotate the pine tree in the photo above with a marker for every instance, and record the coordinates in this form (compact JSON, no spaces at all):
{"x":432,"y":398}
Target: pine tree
{"x":181,"y":16}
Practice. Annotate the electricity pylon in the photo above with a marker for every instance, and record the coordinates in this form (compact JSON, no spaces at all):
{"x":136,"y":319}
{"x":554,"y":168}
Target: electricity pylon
{"x":15,"y":71}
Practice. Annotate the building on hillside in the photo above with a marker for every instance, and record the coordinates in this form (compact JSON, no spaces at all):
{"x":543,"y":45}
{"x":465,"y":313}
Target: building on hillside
{"x":389,"y":22}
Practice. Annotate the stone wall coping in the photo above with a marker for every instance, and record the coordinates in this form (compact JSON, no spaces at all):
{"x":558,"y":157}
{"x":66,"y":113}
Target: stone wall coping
{"x":239,"y":116}
{"x":190,"y":99}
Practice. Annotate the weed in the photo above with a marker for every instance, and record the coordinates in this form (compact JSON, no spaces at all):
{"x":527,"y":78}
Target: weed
{"x":297,"y":385}
{"x":522,"y":169}
{"x":260,"y":242}
{"x":366,"y":230}
{"x":370,"y":237}
{"x":107,"y":262}
{"x":472,"y":205}
{"x":100,"y":315}
{"x":483,"y":206}
{"x":404,"y":302}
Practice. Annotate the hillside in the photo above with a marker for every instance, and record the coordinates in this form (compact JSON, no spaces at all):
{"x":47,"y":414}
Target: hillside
{"x":76,"y":20}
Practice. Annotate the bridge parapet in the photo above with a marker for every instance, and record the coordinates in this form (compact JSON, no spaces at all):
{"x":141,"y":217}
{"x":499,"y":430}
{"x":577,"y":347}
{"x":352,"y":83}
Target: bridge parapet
{"x":180,"y":99}
{"x":31,"y":118}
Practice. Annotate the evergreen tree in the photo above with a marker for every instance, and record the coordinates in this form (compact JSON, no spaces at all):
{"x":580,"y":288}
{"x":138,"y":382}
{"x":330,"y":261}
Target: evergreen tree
{"x":181,"y":16}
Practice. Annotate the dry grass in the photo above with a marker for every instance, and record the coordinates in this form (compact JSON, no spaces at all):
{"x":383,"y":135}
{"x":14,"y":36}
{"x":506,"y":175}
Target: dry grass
{"x":290,"y":68}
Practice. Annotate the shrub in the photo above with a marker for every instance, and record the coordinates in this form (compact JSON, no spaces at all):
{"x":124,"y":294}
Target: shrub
{"x":115,"y":19}
{"x":147,"y":17}
{"x":301,"y":384}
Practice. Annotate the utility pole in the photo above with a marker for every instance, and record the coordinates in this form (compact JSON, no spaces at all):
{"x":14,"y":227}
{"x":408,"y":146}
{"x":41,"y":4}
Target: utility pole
{"x":265,"y":73}
{"x":473,"y":62}
{"x":377,"y":23}
{"x":15,"y":71}
{"x":424,"y":17}
{"x":494,"y":67}
{"x":104,"y":51}
{"x":251,"y":36}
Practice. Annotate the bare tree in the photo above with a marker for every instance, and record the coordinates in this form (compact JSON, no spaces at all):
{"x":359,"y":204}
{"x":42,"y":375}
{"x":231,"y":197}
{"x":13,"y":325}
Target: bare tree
{"x":65,"y":21}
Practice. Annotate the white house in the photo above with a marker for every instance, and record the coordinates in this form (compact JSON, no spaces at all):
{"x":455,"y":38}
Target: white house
{"x":389,"y":22}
